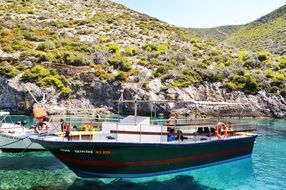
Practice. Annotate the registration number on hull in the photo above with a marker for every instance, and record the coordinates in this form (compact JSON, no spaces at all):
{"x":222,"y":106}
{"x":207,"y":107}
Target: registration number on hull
{"x":97,"y":152}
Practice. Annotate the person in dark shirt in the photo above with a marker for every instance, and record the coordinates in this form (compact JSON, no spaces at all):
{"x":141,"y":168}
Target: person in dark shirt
{"x":180,"y":136}
{"x":63,"y":125}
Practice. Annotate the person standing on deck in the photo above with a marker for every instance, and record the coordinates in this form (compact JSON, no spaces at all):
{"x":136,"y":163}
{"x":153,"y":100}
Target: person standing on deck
{"x":172,"y":120}
{"x":63,"y":125}
{"x":171,"y":123}
{"x":67,"y":131}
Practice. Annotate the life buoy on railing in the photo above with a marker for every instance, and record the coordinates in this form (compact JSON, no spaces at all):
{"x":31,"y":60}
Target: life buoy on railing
{"x":220,"y":131}
{"x":42,"y":126}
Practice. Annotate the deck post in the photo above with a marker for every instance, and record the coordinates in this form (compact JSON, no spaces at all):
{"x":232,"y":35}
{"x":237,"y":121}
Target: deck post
{"x":151,"y":110}
{"x":90,"y":134}
{"x":195,"y":122}
{"x":116,"y":132}
{"x":161,"y":133}
{"x":140,"y":133}
{"x":135,"y":111}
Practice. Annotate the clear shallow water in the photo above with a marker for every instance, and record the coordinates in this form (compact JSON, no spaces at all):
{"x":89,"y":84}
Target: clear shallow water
{"x":266,"y":169}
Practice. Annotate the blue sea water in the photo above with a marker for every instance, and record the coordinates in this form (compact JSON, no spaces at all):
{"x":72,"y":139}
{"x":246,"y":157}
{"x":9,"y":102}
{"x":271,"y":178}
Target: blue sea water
{"x":266,"y":169}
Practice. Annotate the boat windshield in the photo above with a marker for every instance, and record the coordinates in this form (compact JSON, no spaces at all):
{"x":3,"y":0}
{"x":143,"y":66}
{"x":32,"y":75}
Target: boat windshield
{"x":3,"y":116}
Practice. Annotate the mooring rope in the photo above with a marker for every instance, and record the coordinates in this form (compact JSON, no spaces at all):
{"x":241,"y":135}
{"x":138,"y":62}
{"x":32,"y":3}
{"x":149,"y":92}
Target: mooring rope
{"x":27,"y":147}
{"x":13,"y":142}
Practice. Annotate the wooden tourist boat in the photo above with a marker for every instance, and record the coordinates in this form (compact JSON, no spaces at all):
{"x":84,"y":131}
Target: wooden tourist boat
{"x":135,"y":147}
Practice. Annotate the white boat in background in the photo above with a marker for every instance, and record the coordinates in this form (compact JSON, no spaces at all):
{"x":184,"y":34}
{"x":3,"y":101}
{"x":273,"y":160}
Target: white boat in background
{"x":15,"y":137}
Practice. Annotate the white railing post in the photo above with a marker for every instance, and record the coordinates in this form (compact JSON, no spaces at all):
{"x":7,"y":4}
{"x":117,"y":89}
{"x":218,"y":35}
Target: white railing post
{"x":90,"y":134}
{"x":116,"y":132}
{"x":210,"y":133}
{"x":235,"y":130}
{"x":195,"y":132}
{"x":140,"y":133}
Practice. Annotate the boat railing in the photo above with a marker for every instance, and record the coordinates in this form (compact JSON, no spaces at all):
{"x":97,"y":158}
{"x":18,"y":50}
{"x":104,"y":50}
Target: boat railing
{"x":237,"y":131}
{"x":196,"y":131}
{"x":82,"y":117}
{"x":77,"y":121}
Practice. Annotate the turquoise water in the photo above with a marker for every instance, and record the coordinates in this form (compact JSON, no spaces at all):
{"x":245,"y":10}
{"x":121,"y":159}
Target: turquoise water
{"x":266,"y":169}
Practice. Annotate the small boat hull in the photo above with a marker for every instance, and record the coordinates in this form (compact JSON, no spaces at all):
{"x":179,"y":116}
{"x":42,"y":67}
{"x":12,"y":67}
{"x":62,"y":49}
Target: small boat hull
{"x":120,"y":160}
{"x":10,"y":143}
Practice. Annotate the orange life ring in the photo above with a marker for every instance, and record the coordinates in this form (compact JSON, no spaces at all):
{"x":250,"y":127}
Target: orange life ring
{"x":220,"y":134}
{"x":41,"y":127}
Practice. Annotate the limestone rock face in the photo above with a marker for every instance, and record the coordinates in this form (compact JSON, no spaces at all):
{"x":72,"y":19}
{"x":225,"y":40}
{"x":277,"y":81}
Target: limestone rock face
{"x":14,"y":96}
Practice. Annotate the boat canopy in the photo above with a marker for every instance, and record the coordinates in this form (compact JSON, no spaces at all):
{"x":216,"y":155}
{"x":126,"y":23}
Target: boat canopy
{"x":137,"y":120}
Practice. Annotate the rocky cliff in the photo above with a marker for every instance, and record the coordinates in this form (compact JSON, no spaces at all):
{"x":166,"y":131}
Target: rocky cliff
{"x":15,"y":97}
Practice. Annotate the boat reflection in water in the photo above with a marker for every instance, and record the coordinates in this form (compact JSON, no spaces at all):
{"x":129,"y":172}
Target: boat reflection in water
{"x":135,"y":147}
{"x":242,"y":171}
{"x":178,"y":182}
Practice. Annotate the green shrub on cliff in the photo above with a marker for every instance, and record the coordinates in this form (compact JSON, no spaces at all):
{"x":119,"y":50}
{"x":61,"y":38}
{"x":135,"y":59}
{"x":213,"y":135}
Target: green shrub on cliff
{"x":45,"y":78}
{"x":243,"y":56}
{"x":66,"y":90}
{"x":35,"y":73}
{"x":278,"y":80}
{"x":74,"y":58}
{"x":161,"y":48}
{"x":269,"y":73}
{"x":264,"y":55}
{"x":121,"y":63}
{"x":250,"y":64}
{"x":251,"y":85}
{"x":150,"y":47}
{"x":131,"y":51}
{"x":37,"y":35}
{"x":246,"y":83}
{"x":102,"y":39}
{"x":234,"y":86}
{"x":114,"y":48}
{"x":121,"y":76}
{"x":162,"y":70}
{"x":282,"y":62}
{"x":8,"y":70}
{"x":181,"y":83}
{"x":209,"y":76}
{"x":43,"y":46}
